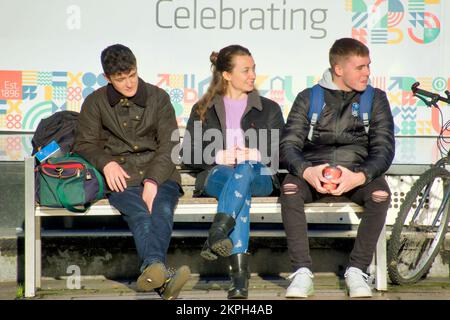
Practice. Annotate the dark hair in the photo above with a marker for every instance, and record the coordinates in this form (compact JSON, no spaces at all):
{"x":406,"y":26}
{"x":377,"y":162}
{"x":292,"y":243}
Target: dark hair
{"x":344,"y":48}
{"x":117,"y":59}
{"x":220,"y":62}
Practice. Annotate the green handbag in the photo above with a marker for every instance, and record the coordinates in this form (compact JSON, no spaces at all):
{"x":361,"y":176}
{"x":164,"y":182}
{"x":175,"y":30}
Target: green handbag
{"x":68,"y":182}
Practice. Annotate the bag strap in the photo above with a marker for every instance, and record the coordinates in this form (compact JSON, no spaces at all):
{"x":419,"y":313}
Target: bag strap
{"x":62,"y":197}
{"x":317,"y":103}
{"x":365,"y":109}
{"x":101,"y":184}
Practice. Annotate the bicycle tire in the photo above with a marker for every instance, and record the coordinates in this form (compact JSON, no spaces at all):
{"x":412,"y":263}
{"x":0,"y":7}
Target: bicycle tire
{"x":401,"y":243}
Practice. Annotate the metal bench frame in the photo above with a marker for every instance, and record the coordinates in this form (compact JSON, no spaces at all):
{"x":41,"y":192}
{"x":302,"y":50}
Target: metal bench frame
{"x":263,"y":210}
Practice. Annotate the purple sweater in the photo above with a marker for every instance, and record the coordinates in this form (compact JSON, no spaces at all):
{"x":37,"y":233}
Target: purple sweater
{"x":234,"y":109}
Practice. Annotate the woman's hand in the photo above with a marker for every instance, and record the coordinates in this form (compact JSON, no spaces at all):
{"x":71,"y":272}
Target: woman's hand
{"x":226,"y":157}
{"x":246,"y":154}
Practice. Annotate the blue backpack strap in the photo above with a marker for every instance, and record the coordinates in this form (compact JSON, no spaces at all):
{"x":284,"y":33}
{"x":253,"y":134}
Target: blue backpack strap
{"x":315,"y":107}
{"x":365,"y":109}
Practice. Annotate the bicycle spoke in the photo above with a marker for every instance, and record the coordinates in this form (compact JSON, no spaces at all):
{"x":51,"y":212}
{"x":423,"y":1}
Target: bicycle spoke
{"x":419,"y":228}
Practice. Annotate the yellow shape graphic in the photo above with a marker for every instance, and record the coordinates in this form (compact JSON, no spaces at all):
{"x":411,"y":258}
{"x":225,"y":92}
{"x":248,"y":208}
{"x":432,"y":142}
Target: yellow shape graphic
{"x":286,"y":109}
{"x":432,"y":1}
{"x":2,"y":122}
{"x":426,"y":83}
{"x":260,"y":79}
{"x":3,"y":143}
{"x":429,"y":126}
{"x":395,"y":97}
{"x":399,"y":37}
{"x":73,"y":106}
{"x":74,"y":79}
{"x":348,"y":5}
{"x":13,"y":154}
{"x":48,"y":93}
{"x":424,"y":127}
{"x":14,"y":106}
{"x":419,"y":127}
{"x":29,"y":78}
{"x":176,"y":81}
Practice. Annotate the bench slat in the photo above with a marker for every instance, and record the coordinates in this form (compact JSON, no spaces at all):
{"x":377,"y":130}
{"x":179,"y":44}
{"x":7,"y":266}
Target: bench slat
{"x":263,"y":210}
{"x":196,"y":233}
{"x":255,"y":200}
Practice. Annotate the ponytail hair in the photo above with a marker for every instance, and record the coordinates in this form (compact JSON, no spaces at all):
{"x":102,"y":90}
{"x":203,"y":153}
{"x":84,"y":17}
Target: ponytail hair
{"x":220,"y":62}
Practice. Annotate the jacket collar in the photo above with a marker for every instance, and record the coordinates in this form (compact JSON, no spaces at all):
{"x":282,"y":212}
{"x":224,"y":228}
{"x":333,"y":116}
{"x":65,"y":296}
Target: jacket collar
{"x":114,"y":96}
{"x":253,"y":101}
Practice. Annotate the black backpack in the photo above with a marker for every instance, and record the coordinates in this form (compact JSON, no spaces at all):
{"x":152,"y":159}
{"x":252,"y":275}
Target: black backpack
{"x":363,"y":109}
{"x":60,"y":127}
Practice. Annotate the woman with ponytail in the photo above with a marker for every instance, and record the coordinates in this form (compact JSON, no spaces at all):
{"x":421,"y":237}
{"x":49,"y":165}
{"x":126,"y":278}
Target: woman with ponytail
{"x":238,"y":143}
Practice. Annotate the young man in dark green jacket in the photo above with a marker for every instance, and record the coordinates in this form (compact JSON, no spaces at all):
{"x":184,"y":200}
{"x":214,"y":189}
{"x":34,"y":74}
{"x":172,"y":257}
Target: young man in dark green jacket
{"x":125,"y":131}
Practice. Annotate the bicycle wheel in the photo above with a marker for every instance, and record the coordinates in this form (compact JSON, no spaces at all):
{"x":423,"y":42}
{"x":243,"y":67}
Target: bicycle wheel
{"x":420,"y":227}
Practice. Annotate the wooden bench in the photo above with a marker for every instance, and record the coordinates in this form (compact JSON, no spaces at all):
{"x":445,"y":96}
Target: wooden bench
{"x":195,"y":210}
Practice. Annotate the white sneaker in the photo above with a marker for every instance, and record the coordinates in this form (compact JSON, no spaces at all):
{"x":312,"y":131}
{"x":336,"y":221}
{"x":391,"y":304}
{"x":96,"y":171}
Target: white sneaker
{"x":302,"y":285}
{"x":356,"y":282}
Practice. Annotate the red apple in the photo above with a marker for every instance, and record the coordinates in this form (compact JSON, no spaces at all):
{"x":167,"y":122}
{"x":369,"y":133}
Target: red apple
{"x":331,"y":172}
{"x":329,"y":186}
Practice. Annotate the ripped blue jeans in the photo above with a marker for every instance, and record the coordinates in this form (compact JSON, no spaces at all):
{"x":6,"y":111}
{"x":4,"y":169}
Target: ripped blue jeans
{"x":234,"y":187}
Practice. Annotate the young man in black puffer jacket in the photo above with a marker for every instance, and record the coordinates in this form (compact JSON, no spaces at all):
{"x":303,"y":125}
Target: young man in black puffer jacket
{"x":363,"y":153}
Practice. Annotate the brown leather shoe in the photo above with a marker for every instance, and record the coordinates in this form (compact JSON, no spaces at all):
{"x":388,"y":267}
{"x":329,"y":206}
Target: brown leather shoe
{"x":174,"y":283}
{"x":152,"y":277}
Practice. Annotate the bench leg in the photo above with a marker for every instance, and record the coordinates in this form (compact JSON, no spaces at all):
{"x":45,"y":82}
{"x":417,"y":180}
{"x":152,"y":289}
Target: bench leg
{"x":30,"y":230}
{"x":381,"y":260}
{"x":38,"y":252}
{"x":30,"y":257}
{"x":378,"y":266}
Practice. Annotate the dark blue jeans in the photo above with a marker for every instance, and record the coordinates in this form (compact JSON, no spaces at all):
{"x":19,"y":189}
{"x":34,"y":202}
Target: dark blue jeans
{"x":234,"y":187}
{"x":151,"y":232}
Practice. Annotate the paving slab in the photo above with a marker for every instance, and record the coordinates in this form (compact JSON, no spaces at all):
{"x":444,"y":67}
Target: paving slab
{"x":327,"y":287}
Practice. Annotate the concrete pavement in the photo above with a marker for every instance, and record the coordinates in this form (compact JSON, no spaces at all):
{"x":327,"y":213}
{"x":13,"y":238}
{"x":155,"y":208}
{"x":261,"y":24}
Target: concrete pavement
{"x":327,"y":287}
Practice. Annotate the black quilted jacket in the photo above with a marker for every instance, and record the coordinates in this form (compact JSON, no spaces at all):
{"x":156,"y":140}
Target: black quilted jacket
{"x":339,"y":137}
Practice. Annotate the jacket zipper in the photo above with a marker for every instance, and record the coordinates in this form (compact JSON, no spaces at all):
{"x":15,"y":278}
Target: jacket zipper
{"x":338,"y":116}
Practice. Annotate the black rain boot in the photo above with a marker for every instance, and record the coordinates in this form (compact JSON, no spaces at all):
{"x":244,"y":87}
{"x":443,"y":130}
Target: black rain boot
{"x":240,"y":276}
{"x":218,"y":242}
